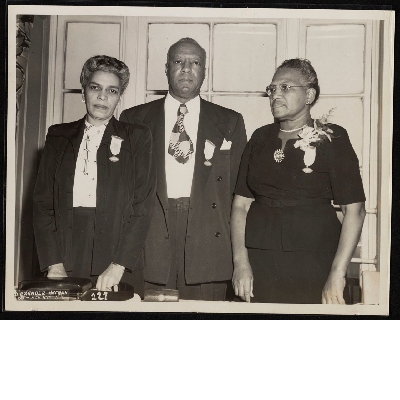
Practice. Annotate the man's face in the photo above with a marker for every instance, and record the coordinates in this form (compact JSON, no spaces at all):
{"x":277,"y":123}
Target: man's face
{"x":185,"y":71}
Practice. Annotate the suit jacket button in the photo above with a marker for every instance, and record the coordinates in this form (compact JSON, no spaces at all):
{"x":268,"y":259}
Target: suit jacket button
{"x":213,"y":205}
{"x":101,"y":231}
{"x":217,"y":234}
{"x":219,"y":178}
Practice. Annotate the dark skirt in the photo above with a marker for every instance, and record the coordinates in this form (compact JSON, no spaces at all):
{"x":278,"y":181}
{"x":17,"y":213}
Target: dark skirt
{"x":292,"y":277}
{"x":84,"y":222}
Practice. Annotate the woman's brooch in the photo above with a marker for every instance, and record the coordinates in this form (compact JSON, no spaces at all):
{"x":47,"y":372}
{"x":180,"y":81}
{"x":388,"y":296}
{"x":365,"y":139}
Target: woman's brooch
{"x":279,"y":155}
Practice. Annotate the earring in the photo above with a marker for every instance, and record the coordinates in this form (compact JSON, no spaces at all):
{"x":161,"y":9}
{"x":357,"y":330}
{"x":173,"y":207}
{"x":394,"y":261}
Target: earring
{"x":308,"y":102}
{"x":83,"y":100}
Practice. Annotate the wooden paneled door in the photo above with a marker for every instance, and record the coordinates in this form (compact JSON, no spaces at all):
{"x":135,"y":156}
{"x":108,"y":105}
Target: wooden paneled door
{"x":242,"y":55}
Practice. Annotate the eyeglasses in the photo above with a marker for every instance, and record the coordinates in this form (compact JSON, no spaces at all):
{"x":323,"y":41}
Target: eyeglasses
{"x":284,"y":88}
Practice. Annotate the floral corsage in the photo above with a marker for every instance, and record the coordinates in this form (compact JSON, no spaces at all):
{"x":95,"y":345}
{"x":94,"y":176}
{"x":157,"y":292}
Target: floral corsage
{"x":313,"y":136}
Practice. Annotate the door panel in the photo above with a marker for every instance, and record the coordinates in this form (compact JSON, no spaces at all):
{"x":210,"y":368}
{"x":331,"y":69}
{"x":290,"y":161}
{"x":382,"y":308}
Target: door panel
{"x":242,"y":56}
{"x":84,"y":40}
{"x":255,"y":110}
{"x":337,"y":54}
{"x":347,"y":112}
{"x":161,"y":36}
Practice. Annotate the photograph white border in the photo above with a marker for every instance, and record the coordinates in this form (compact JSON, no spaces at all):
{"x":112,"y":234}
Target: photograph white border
{"x":385,"y":174}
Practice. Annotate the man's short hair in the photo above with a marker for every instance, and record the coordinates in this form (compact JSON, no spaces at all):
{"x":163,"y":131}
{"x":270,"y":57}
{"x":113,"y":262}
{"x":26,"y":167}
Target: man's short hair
{"x":186,"y":40}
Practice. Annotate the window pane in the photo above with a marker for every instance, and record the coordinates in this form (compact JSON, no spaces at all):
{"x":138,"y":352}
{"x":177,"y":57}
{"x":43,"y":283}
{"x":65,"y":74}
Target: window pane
{"x":161,"y":37}
{"x":255,"y":110}
{"x":348,"y":113}
{"x":85,"y":40}
{"x":337,"y":54}
{"x":74,"y":108}
{"x":244,"y":57}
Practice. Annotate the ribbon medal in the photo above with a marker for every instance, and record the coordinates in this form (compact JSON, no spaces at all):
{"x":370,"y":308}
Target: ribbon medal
{"x":115,"y":147}
{"x":209,"y":148}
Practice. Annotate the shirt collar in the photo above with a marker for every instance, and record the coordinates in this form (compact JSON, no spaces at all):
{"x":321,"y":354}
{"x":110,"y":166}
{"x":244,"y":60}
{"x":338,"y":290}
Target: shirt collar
{"x":172,"y":105}
{"x":102,"y":128}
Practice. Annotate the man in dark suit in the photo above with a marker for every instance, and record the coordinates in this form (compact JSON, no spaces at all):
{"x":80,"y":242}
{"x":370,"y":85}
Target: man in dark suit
{"x":198,"y":147}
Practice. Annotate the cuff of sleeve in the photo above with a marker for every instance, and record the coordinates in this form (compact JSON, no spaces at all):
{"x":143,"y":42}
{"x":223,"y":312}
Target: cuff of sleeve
{"x":120,"y":266}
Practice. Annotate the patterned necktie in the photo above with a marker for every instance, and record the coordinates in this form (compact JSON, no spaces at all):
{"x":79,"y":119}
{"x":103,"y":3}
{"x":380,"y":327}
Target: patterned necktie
{"x":180,"y":145}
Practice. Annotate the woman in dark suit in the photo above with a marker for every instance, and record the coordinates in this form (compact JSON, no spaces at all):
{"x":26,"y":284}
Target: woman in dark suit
{"x":95,"y":186}
{"x":288,"y":244}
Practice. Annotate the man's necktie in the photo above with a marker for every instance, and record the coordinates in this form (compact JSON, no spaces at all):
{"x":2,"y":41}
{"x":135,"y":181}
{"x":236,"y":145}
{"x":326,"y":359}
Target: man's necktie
{"x":180,"y":145}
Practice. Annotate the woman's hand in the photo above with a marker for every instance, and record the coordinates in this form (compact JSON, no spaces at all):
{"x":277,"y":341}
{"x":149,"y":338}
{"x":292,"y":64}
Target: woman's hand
{"x":353,"y":218}
{"x":110,"y":278}
{"x":333,"y":290}
{"x":242,"y":281}
{"x":57,"y":271}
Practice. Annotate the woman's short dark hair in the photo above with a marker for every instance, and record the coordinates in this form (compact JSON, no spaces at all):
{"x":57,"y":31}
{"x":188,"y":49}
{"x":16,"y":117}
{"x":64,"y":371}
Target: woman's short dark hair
{"x":105,"y":64}
{"x":307,"y":72}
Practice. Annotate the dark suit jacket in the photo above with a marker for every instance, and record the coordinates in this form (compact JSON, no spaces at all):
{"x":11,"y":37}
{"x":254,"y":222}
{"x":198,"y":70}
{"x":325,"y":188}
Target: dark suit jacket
{"x":124,"y":198}
{"x":208,"y":250}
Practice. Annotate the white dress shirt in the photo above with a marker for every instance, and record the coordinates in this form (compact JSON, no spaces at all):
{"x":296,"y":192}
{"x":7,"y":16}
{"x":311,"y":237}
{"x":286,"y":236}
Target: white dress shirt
{"x":85,"y":181}
{"x":179,"y":176}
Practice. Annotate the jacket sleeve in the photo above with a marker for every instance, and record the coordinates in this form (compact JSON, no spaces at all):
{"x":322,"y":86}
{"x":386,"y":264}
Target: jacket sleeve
{"x":138,"y":213}
{"x":44,"y":223}
{"x":239,"y":140}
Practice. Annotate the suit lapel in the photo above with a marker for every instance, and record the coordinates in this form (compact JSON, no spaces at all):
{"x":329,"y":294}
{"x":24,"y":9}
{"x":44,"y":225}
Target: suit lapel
{"x":114,"y":129}
{"x":210,"y":128}
{"x":76,"y":137}
{"x":103,"y":153}
{"x":155,"y":119}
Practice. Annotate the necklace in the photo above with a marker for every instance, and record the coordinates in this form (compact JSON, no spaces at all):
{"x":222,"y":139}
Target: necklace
{"x":279,"y":155}
{"x":293,"y":130}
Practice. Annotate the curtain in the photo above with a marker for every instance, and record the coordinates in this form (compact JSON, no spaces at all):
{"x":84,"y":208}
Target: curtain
{"x":24,"y":26}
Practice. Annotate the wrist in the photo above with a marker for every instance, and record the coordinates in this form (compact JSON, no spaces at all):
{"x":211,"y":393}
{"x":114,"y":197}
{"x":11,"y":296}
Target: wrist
{"x":241,"y":264}
{"x":338,"y":273}
{"x":119,"y":266}
{"x":55,"y":266}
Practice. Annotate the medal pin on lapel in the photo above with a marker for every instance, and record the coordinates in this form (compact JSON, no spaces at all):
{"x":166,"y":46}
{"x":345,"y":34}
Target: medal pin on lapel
{"x":115,"y":147}
{"x":209,"y":148}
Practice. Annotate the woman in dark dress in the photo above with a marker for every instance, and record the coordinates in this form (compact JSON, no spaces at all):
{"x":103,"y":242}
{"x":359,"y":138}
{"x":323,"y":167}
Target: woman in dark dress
{"x":288,"y":244}
{"x":95,"y":187}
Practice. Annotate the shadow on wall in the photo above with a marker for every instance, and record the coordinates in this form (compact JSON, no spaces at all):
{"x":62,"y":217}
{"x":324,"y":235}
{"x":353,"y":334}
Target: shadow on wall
{"x":28,"y":261}
{"x":30,"y":137}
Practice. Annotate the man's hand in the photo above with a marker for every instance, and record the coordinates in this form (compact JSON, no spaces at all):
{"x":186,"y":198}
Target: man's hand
{"x":110,"y":278}
{"x":333,"y":290}
{"x":242,"y":281}
{"x":57,"y":271}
